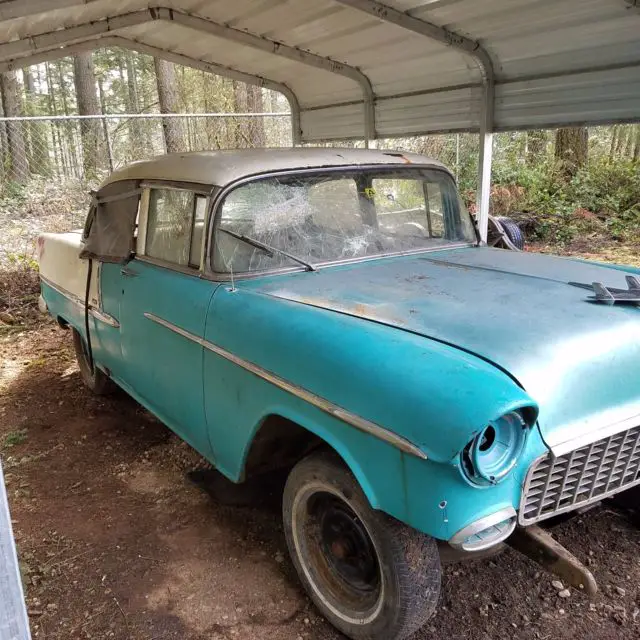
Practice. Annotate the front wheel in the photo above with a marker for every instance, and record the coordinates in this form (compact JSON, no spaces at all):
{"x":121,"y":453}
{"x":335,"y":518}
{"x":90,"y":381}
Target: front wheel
{"x":96,"y":380}
{"x":371,"y":576}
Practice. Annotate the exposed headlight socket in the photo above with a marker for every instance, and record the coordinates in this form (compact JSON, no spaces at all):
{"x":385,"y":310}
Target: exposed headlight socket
{"x":494,"y":452}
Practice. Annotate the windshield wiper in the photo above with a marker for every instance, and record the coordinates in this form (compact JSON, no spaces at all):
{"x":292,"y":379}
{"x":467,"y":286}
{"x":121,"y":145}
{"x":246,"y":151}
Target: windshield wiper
{"x":269,"y":250}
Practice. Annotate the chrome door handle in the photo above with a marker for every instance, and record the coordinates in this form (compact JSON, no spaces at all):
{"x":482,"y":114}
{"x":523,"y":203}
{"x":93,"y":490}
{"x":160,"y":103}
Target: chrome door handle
{"x":128,"y":273}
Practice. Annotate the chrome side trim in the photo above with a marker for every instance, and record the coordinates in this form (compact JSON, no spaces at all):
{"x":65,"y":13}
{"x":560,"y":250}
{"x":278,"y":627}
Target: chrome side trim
{"x":457,"y":541}
{"x":328,"y":407}
{"x":103,"y":317}
{"x":96,"y":313}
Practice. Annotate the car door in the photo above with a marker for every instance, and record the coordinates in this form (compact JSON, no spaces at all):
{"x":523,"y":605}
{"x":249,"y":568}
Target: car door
{"x":163,"y":311}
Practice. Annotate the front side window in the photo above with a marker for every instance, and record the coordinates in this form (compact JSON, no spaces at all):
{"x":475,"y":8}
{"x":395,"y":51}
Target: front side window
{"x":175,"y":224}
{"x":322,"y":218}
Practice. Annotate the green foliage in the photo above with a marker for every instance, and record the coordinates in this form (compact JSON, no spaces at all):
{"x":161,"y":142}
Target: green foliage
{"x":601,"y":201}
{"x":14,"y":438}
{"x":22,"y":261}
{"x":14,"y":193}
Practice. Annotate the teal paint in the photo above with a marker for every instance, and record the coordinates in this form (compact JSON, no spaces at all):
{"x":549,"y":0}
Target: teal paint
{"x":431,"y":347}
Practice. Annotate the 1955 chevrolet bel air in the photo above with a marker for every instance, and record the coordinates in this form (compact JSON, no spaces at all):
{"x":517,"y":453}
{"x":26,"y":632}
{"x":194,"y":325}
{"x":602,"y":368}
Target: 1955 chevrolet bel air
{"x":332,"y":311}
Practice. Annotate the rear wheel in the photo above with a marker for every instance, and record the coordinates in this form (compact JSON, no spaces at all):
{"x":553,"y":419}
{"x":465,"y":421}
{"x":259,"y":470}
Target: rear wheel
{"x":95,"y":379}
{"x":371,"y":576}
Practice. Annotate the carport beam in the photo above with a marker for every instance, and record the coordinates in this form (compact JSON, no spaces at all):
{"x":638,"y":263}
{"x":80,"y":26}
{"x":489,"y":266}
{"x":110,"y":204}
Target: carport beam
{"x":482,"y":59}
{"x":11,"y":9}
{"x":97,"y":28}
{"x":485,"y":159}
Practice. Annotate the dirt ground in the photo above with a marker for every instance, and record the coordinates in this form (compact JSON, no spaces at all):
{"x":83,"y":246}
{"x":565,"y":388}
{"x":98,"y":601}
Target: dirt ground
{"x":116,"y":542}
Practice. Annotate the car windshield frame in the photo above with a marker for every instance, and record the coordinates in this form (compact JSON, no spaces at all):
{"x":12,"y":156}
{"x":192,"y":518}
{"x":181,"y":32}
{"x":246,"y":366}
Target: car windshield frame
{"x":217,"y":203}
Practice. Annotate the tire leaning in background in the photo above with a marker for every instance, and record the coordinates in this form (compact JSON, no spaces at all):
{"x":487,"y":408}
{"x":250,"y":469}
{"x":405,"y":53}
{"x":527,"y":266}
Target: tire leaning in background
{"x":403,"y":577}
{"x":96,"y":380}
{"x":513,"y":231}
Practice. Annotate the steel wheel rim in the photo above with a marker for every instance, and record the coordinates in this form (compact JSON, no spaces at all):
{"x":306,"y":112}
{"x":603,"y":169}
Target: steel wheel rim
{"x":337,"y":554}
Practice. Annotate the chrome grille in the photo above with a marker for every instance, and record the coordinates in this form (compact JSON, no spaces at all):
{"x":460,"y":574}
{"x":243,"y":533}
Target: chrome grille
{"x":584,"y":475}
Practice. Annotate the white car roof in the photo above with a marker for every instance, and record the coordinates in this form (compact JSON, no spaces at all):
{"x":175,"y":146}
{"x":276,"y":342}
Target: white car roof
{"x":219,"y":168}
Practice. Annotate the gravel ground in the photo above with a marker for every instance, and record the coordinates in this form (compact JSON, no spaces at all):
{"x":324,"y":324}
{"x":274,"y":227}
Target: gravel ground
{"x":116,"y":542}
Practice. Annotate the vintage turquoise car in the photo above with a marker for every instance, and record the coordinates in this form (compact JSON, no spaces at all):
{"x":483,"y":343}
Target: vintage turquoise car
{"x":333,"y":312}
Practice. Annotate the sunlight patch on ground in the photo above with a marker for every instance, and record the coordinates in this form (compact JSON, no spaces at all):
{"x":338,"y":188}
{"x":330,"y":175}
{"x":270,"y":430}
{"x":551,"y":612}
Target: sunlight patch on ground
{"x":70,"y":370}
{"x":9,"y":371}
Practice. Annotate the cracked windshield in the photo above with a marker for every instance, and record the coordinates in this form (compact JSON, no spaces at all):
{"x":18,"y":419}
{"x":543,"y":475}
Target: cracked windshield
{"x":317,"y":219}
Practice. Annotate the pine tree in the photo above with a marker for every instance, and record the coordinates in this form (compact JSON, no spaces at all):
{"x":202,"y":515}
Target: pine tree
{"x":572,"y":149}
{"x":18,"y":166}
{"x":167,"y":98}
{"x":88,"y":105}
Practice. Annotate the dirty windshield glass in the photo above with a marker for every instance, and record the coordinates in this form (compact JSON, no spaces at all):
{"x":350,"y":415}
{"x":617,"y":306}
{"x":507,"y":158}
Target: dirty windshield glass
{"x":336,"y":217}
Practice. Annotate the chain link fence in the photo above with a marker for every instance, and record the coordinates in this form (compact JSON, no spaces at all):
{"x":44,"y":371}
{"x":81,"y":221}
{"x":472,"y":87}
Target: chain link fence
{"x":48,"y":164}
{"x":89,"y":147}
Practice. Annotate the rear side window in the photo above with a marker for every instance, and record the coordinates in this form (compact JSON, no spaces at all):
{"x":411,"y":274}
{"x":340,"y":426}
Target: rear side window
{"x":175,"y":223}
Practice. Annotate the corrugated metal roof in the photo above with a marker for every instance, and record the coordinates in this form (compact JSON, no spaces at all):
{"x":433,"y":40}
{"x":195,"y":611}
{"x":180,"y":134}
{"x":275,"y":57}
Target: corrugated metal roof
{"x":555,"y":62}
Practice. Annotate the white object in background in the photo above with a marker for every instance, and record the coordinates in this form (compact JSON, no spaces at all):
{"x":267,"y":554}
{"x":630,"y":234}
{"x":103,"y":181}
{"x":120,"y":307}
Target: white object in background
{"x":14,"y":622}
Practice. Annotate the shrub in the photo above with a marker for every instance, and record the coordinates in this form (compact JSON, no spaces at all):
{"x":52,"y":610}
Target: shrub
{"x":601,"y":201}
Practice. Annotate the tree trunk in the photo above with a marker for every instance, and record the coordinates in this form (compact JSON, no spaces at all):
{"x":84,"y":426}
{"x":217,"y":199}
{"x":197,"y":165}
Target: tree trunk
{"x":209,"y":125}
{"x":29,"y":90}
{"x":4,"y":147}
{"x":105,"y":126}
{"x":69,"y":139}
{"x":614,"y":140}
{"x":628,"y":148}
{"x":536,"y":146}
{"x":58,"y":153}
{"x":572,"y":149}
{"x":255,"y":104}
{"x":133,"y":104}
{"x":88,"y":105}
{"x":167,"y":97}
{"x":39,"y":160}
{"x":241,"y":132}
{"x":622,"y":132}
{"x":18,"y":164}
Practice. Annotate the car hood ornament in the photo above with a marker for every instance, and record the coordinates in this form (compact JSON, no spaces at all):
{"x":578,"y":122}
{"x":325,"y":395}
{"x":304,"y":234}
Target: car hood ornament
{"x":611,"y":295}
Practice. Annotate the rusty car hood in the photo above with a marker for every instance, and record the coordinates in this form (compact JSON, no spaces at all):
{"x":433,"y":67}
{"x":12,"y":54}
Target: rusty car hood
{"x":579,"y":360}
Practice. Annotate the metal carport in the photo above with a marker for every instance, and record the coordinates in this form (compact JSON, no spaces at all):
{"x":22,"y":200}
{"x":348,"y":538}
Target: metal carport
{"x":360,"y":69}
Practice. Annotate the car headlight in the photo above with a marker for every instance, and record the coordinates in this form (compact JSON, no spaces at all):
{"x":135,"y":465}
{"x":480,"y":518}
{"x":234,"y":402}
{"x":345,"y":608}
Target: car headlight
{"x":494,"y":452}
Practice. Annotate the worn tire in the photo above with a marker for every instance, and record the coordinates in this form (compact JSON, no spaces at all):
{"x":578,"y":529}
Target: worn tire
{"x":408,"y":562}
{"x":98,"y":381}
{"x":513,"y":231}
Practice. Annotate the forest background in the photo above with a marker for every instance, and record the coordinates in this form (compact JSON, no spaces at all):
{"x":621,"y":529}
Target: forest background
{"x":573,"y":191}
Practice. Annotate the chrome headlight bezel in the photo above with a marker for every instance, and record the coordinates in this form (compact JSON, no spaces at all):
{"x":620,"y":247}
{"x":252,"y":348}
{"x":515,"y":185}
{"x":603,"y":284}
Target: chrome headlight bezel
{"x":492,"y":454}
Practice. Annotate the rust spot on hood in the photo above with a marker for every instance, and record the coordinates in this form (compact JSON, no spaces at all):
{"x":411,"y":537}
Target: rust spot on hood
{"x":382,"y":313}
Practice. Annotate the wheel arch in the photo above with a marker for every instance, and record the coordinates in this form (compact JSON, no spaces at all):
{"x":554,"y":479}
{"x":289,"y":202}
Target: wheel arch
{"x":63,"y":323}
{"x":305,"y":435}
